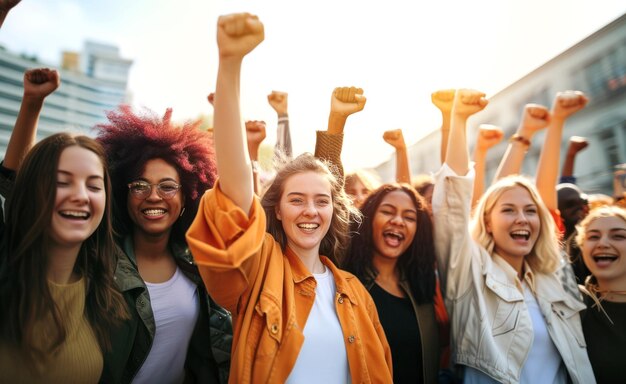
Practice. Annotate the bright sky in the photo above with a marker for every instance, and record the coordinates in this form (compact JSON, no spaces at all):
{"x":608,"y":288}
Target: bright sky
{"x":397,"y":51}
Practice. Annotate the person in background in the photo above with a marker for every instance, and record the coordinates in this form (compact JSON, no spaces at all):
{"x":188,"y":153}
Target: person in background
{"x":392,"y":252}
{"x":602,"y":240}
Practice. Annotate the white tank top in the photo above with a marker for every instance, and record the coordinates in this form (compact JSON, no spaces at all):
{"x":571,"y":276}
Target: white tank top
{"x":175,"y":307}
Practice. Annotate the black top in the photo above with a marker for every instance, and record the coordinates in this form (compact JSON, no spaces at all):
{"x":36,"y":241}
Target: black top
{"x":400,"y":324}
{"x":606,"y":342}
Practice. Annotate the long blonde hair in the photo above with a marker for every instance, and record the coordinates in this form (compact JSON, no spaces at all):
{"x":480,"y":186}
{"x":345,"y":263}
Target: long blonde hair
{"x":544,"y":256}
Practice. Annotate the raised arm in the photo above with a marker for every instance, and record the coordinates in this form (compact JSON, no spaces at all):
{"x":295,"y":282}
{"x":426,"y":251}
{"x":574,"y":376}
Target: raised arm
{"x":343,"y":102}
{"x":443,"y":100}
{"x":279,"y":102}
{"x":38,"y":84}
{"x":237,"y":35}
{"x":576,"y":144}
{"x":396,"y":139}
{"x":255,"y":134}
{"x":466,"y":103}
{"x":488,"y":136}
{"x":5,"y":7}
{"x":565,"y":105}
{"x":535,"y":117}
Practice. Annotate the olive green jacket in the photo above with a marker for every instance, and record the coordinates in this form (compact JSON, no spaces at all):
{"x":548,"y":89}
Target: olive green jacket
{"x":208,"y":356}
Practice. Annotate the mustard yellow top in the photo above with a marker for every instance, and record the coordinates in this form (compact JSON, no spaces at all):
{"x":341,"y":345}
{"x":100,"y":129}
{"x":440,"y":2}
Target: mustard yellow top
{"x":79,"y":358}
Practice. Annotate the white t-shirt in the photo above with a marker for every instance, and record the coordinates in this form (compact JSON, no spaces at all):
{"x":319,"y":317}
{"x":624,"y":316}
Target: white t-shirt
{"x":323,"y":357}
{"x":175,"y":306}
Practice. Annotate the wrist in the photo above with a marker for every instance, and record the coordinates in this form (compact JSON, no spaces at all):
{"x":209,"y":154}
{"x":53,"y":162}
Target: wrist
{"x":282,"y":114}
{"x":519,"y":140}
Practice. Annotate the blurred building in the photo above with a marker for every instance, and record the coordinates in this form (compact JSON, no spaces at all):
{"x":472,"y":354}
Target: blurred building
{"x":596,"y":66}
{"x":92,"y":82}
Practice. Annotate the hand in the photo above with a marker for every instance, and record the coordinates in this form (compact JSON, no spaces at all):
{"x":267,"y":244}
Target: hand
{"x":40,"y":82}
{"x":488,"y":136}
{"x":255,"y":132}
{"x":394,"y":138}
{"x":347,"y":100}
{"x":278,"y":101}
{"x":211,"y":98}
{"x":443,"y":100}
{"x":467,"y":102}
{"x":238,"y":34}
{"x":6,"y":5}
{"x":567,"y":103}
{"x":535,"y":117}
{"x":576,"y":144}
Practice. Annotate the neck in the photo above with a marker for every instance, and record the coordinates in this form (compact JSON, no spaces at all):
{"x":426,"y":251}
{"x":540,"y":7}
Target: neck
{"x":386,"y":268}
{"x":310,"y":259}
{"x":62,"y":262}
{"x":612,"y":290}
{"x":153,"y":247}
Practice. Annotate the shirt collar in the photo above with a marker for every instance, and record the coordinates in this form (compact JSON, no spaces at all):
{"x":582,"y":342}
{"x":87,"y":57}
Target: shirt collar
{"x":511,"y":274}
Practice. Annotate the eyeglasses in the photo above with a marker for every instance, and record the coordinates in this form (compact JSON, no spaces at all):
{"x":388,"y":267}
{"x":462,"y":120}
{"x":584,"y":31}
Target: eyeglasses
{"x":165,"y":189}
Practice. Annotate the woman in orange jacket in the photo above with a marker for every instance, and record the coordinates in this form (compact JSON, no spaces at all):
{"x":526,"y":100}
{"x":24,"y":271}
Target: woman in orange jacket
{"x":298,"y":318}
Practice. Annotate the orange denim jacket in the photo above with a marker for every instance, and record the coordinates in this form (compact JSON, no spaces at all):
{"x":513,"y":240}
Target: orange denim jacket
{"x":271,"y":293}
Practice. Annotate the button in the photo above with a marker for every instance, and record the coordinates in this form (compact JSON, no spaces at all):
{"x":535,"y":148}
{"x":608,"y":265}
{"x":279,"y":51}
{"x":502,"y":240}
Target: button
{"x":562,"y":314}
{"x":274,"y":329}
{"x":351,"y":339}
{"x":340,"y":299}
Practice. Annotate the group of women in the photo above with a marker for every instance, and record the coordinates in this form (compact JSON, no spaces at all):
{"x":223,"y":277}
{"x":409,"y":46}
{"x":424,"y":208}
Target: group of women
{"x":117,"y":266}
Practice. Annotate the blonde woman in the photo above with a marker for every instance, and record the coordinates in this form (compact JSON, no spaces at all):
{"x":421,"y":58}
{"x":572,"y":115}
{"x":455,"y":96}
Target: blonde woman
{"x":512,"y":321}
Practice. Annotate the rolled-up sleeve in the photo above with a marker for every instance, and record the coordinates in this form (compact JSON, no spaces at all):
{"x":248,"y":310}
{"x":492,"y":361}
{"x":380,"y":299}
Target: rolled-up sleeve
{"x":225,"y":242}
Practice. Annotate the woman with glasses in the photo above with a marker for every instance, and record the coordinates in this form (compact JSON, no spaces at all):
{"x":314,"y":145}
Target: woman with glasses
{"x":158,"y":172}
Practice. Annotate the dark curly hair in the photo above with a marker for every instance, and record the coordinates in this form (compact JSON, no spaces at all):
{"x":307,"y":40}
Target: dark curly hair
{"x":131,"y":140}
{"x":416,"y":265}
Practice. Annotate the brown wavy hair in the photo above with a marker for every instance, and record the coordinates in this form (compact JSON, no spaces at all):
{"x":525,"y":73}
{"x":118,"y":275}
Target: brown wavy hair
{"x":25,"y":296}
{"x":335,"y":242}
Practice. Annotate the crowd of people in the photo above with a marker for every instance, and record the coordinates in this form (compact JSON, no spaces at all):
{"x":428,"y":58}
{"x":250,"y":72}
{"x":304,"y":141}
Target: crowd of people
{"x":158,"y":252}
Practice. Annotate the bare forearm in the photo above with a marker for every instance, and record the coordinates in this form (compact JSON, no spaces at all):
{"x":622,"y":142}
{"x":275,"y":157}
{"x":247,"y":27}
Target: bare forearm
{"x":480,"y":158}
{"x":548,"y":166}
{"x":231,"y":150}
{"x":24,"y":133}
{"x":403,"y":173}
{"x":445,"y":132}
{"x":336,"y":123}
{"x":457,"y":155}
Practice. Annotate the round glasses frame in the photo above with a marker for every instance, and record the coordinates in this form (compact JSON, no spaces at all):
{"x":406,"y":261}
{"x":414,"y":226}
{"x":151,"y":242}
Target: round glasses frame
{"x":165,"y":189}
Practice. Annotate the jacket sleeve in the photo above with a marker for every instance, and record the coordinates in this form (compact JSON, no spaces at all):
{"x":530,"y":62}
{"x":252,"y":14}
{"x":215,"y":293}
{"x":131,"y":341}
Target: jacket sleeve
{"x":454,"y":246}
{"x":328,"y":147}
{"x":225,"y":243}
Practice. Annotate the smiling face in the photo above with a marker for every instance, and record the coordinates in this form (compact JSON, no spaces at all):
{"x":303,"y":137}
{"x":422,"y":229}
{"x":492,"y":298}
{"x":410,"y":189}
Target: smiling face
{"x":80,"y":197}
{"x":514,"y":224}
{"x":604,"y":251}
{"x":357,"y":191}
{"x":394,"y":225}
{"x":305,"y":211}
{"x":153,"y":215}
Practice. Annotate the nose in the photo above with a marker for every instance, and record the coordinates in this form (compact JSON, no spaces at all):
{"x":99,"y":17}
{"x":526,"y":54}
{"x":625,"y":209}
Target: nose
{"x":521,"y":217}
{"x":603,"y":242}
{"x":154,"y":194}
{"x":309,"y":209}
{"x":397,"y":220}
{"x":80,"y":193}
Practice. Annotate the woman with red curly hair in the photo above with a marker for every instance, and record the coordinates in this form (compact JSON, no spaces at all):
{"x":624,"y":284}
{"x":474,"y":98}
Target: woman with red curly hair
{"x":158,"y":172}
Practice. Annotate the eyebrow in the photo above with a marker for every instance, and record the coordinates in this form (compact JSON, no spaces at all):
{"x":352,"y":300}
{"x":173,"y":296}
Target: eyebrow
{"x":513,"y":205}
{"x":303,"y":194}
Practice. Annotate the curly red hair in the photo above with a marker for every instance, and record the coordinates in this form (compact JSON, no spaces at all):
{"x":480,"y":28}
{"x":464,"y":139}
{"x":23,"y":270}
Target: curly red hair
{"x":131,"y":139}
